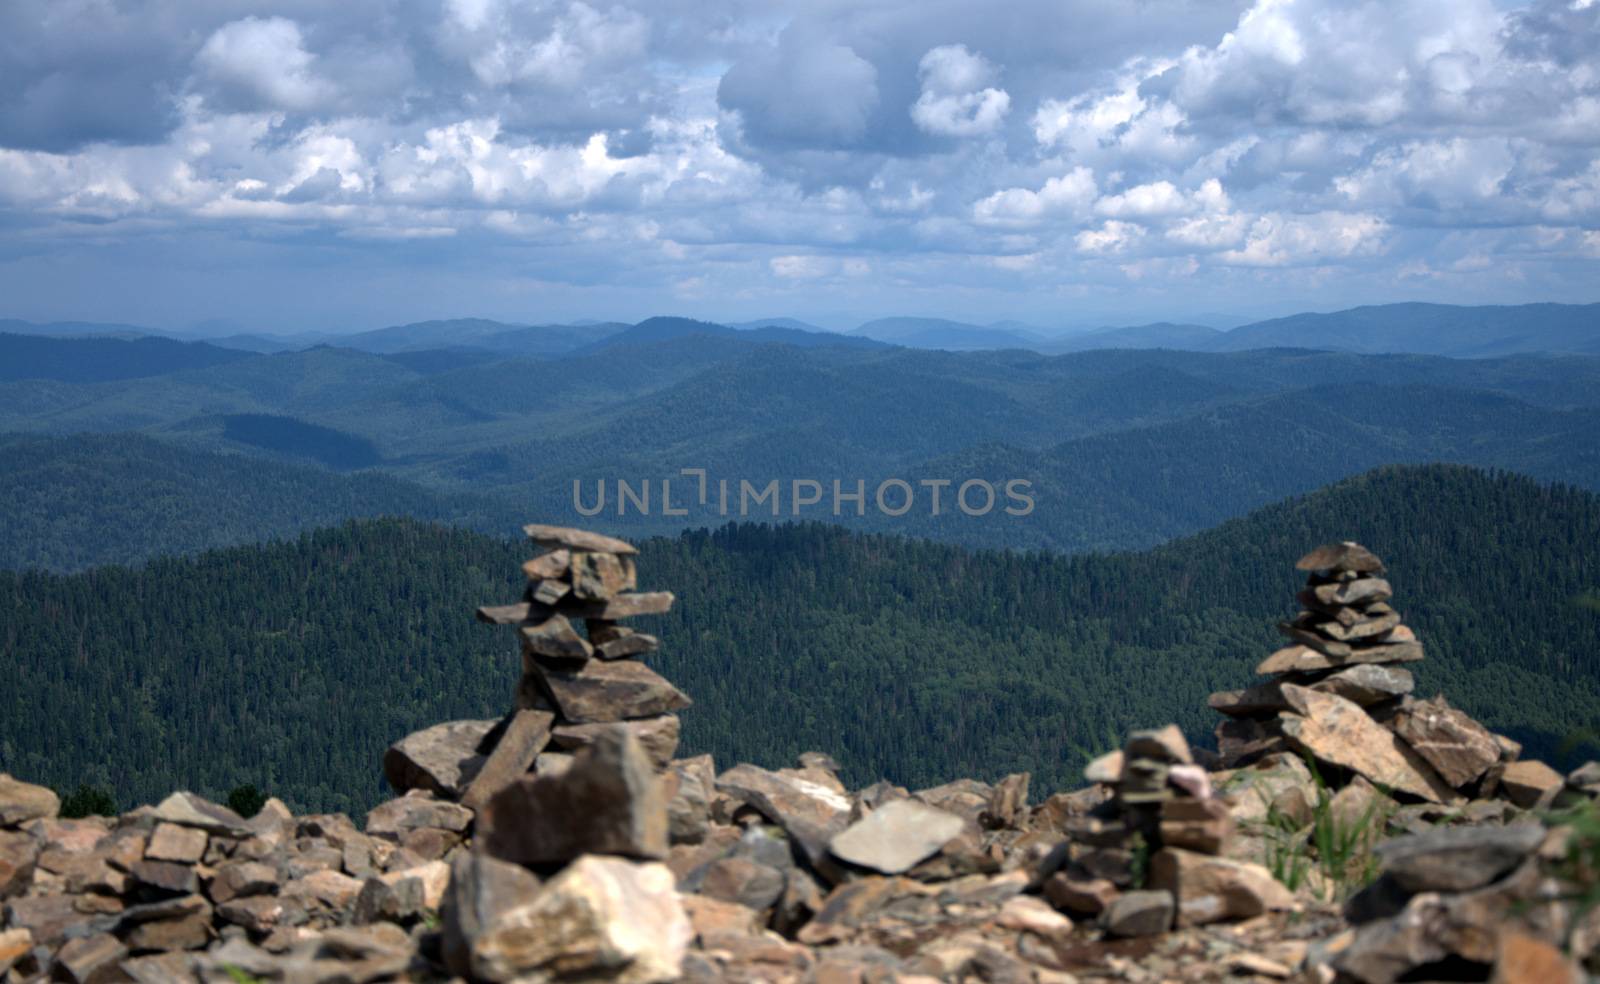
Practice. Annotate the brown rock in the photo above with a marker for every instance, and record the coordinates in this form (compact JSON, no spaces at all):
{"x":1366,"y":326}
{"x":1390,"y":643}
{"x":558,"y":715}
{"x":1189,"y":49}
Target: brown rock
{"x":1210,"y":889}
{"x":1303,"y":658}
{"x":1366,"y":683}
{"x":1202,"y":825}
{"x":1525,"y":959}
{"x":1141,"y":913}
{"x":896,"y":837}
{"x":1530,"y":783}
{"x":442,"y":759}
{"x":170,"y":842}
{"x":481,"y":890}
{"x":548,"y":592}
{"x":744,"y":881}
{"x":1340,"y":733}
{"x":609,"y":802}
{"x":525,"y":736}
{"x":658,"y":736}
{"x":622,"y":606}
{"x":240,"y":878}
{"x":185,"y":932}
{"x":632,"y":645}
{"x":18,"y":855}
{"x":330,"y":888}
{"x":556,"y":537}
{"x":610,"y":691}
{"x":1008,"y":804}
{"x":1106,"y":768}
{"x":1340,"y":594}
{"x":1460,"y":748}
{"x":189,"y":810}
{"x":261,"y":914}
{"x":165,"y":877}
{"x":551,"y":565}
{"x":46,"y":917}
{"x":556,"y":641}
{"x":1161,"y":744}
{"x":393,"y":819}
{"x":21,"y":802}
{"x":690,"y":784}
{"x":14,"y":945}
{"x":1340,"y":557}
{"x":1079,"y":896}
{"x":787,"y":801}
{"x":710,"y":916}
{"x":599,"y":576}
{"x":601,"y":919}
{"x":90,"y":960}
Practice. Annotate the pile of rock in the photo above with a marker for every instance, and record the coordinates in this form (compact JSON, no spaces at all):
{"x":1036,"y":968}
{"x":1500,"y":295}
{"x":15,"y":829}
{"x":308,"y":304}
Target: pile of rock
{"x":1341,"y":694}
{"x":572,"y":686}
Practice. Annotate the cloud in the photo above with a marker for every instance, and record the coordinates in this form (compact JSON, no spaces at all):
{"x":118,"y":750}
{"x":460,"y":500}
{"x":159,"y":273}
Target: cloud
{"x":958,"y":99}
{"x":261,"y":63}
{"x":1067,"y":195}
{"x":806,"y":92}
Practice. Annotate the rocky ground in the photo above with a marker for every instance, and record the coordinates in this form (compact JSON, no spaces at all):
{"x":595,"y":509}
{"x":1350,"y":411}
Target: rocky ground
{"x":1344,"y":831}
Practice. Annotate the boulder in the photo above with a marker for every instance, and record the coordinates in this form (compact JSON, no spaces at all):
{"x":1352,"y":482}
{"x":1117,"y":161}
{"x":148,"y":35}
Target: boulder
{"x":18,"y":855}
{"x":742,"y":880}
{"x":22,"y":801}
{"x":690,"y":784}
{"x":1459,"y":748}
{"x":481,"y":890}
{"x":241,"y":878}
{"x":1458,"y":859}
{"x":548,"y":566}
{"x":1366,"y":683}
{"x":1161,"y":744}
{"x":1080,"y":896}
{"x":90,"y":960}
{"x":1105,"y":769}
{"x":895,"y":837}
{"x":1530,"y":783}
{"x":188,"y":810}
{"x":556,"y":641}
{"x":170,"y":842}
{"x":609,"y":801}
{"x":605,"y":691}
{"x":1323,"y":655}
{"x":442,"y":759}
{"x":1339,"y":732}
{"x":1211,"y":889}
{"x":1141,"y":913}
{"x":557,"y":537}
{"x":598,"y":576}
{"x":1008,"y":805}
{"x":658,"y":736}
{"x":787,"y":800}
{"x":526,"y":734}
{"x":1339,"y":594}
{"x":416,"y":810}
{"x":1347,"y":556}
{"x":1202,"y":825}
{"x":601,"y":919}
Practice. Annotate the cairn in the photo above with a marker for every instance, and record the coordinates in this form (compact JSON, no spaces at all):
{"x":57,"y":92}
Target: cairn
{"x":1341,"y":694}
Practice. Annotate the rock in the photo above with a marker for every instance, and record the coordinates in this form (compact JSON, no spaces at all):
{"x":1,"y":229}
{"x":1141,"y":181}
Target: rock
{"x":1341,"y":594}
{"x":744,"y":881}
{"x":1366,"y":683}
{"x":1339,"y":557}
{"x":481,"y":890}
{"x":240,"y":878}
{"x":526,"y":734}
{"x":785,"y":800}
{"x":1202,"y":825}
{"x":895,"y":837}
{"x":622,"y":606}
{"x":189,"y":931}
{"x":442,"y":759}
{"x":610,"y":691}
{"x":1142,"y":913}
{"x":1211,"y":889}
{"x":21,"y":802}
{"x":46,"y":917}
{"x":161,"y":968}
{"x":398,"y":901}
{"x":690,"y":784}
{"x":393,"y":819}
{"x":548,"y":592}
{"x":14,"y":945}
{"x":1458,"y":859}
{"x":1304,"y":659}
{"x":433,"y":876}
{"x":551,"y":566}
{"x":1241,"y":742}
{"x":90,"y":960}
{"x":709,"y":916}
{"x":1192,"y":781}
{"x":188,"y":810}
{"x":631,"y":645}
{"x":1080,"y":896}
{"x":556,"y":537}
{"x":658,"y":736}
{"x":610,"y":801}
{"x":598,"y":576}
{"x":261,"y":914}
{"x":601,"y":919}
{"x":1162,"y":744}
{"x":1459,"y":748}
{"x":1009,"y":802}
{"x":18,"y":855}
{"x":1525,"y":959}
{"x":556,"y":641}
{"x":1530,"y":783}
{"x":170,"y":842}
{"x":1105,"y":769}
{"x":1340,"y":733}
{"x":165,"y":878}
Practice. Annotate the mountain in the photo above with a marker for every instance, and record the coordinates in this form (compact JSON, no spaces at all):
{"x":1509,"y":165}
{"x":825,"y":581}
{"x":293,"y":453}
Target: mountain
{"x":97,"y":359}
{"x":65,"y":329}
{"x":74,"y":502}
{"x":663,"y":329}
{"x":1158,"y":335}
{"x":793,"y":323}
{"x":938,"y":333}
{"x":453,"y":333}
{"x":287,"y":664}
{"x":1436,"y":329}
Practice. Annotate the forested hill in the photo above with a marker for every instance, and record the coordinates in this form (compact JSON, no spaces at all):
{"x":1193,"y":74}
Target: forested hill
{"x":292,"y":665}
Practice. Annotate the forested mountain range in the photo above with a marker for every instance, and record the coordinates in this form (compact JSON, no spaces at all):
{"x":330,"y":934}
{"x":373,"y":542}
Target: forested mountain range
{"x":291,"y":665}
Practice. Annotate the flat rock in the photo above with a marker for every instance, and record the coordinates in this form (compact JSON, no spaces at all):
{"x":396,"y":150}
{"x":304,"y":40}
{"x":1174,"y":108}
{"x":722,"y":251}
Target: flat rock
{"x":1366,"y":683}
{"x":1337,"y":557}
{"x":895,"y":837}
{"x":1303,"y":659}
{"x":22,"y":801}
{"x":609,"y":801}
{"x":786,"y":800}
{"x":1530,"y":783}
{"x":556,"y":537}
{"x":188,"y":810}
{"x":603,"y":691}
{"x":481,"y":890}
{"x":628,"y":646}
{"x":1212,"y":889}
{"x":1347,"y":594}
{"x":1458,"y":859}
{"x":1458,"y":747}
{"x":622,"y":606}
{"x":658,"y":736}
{"x":1203,"y":825}
{"x":548,"y":566}
{"x":598,"y":576}
{"x":90,"y":959}
{"x":1340,"y":733}
{"x":395,"y":818}
{"x":1141,"y":913}
{"x":744,"y":881}
{"x":555,"y":639}
{"x":442,"y":759}
{"x":1162,"y":744}
{"x":1080,"y":896}
{"x":526,"y":734}
{"x":1106,"y":768}
{"x":601,"y":919}
{"x":170,"y":842}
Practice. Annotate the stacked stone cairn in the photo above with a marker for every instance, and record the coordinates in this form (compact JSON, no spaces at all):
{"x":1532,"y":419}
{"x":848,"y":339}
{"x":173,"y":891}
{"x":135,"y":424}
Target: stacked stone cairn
{"x":1340,"y":693}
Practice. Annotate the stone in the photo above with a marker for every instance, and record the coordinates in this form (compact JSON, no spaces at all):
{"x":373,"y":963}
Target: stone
{"x":1357,"y":630}
{"x":332,"y":889}
{"x":551,"y":566}
{"x":1339,"y":557}
{"x":261,"y":914}
{"x":1530,"y":783}
{"x":787,"y":801}
{"x":622,"y":606}
{"x":1525,"y":959}
{"x":1192,"y":781}
{"x":1340,"y":594}
{"x":161,"y":968}
{"x":1211,"y":889}
{"x":610,"y":801}
{"x":442,"y":759}
{"x":184,"y":932}
{"x":556,"y":641}
{"x":689,"y":786}
{"x":1458,"y":859}
{"x":1008,"y":804}
{"x":21,"y":801}
{"x":397,"y":901}
{"x":628,"y":646}
{"x":393,"y":819}
{"x":1459,"y":748}
{"x":1141,"y":913}
{"x":1302,"y":659}
{"x":658,"y":736}
{"x":90,"y":960}
{"x":188,"y":810}
{"x":601,"y":919}
{"x":603,"y":691}
{"x":481,"y":890}
{"x":1079,"y":896}
{"x":598,"y":576}
{"x":1162,"y":744}
{"x":170,"y":842}
{"x":433,"y":876}
{"x":895,"y":837}
{"x":1243,"y":741}
{"x":1202,"y":825}
{"x":1338,"y":732}
{"x":18,"y":855}
{"x":1105,"y":769}
{"x":741,"y":880}
{"x":557,"y":537}
{"x":240,"y":878}
{"x":165,"y":877}
{"x":526,"y":734}
{"x":709,"y":916}
{"x":46,"y":917}
{"x":1366,"y":683}
{"x":14,"y":945}
{"x":548,"y":592}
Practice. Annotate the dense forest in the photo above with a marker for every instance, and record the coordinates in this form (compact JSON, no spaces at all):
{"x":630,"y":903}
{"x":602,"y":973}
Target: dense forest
{"x":292,"y":665}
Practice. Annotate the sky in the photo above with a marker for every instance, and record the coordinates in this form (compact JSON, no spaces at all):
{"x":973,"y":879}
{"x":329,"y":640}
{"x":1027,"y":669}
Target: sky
{"x":304,"y":165}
